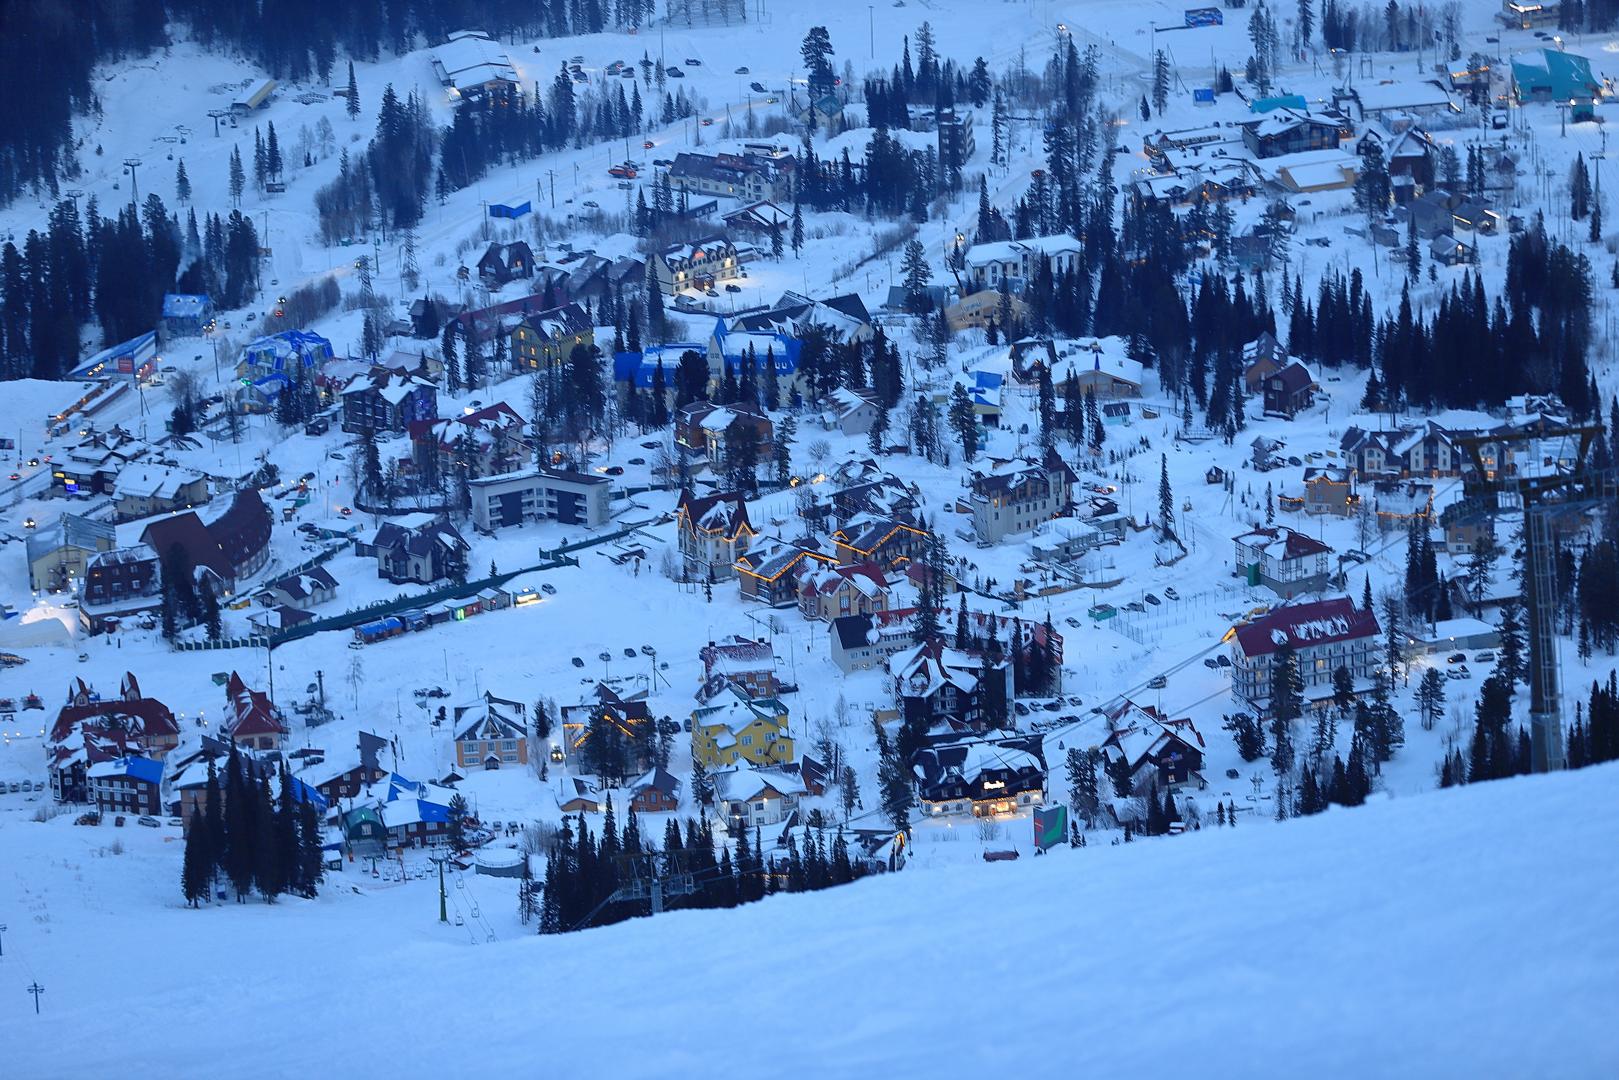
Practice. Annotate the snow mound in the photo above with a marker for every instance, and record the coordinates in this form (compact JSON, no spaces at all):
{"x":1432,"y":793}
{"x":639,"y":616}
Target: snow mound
{"x":1387,"y":940}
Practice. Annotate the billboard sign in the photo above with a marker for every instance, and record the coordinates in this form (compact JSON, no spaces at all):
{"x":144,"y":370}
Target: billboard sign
{"x":1050,"y":826}
{"x":1204,"y":16}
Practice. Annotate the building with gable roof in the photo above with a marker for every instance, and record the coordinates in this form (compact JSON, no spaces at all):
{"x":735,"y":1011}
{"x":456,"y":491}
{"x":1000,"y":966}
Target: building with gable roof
{"x":831,"y":591}
{"x":121,"y":582}
{"x":59,"y":553}
{"x":1324,"y":634}
{"x":472,"y":66}
{"x":714,"y":533}
{"x":747,"y":798}
{"x":90,"y":729}
{"x":501,"y":263}
{"x":283,"y":354}
{"x":1284,"y":561}
{"x":1289,"y":391}
{"x":657,"y":792}
{"x":301,"y":591}
{"x":490,"y":733}
{"x":544,"y":341}
{"x":142,"y":490}
{"x":1155,"y":750}
{"x":252,"y":720}
{"x":388,"y":400}
{"x":185,"y":314}
{"x":1017,"y":261}
{"x":708,"y":429}
{"x":229,"y":538}
{"x":490,"y":440}
{"x":739,"y":661}
{"x":986,"y":778}
{"x":695,"y":265}
{"x":1018,"y":496}
{"x":417,"y":547}
{"x":887,"y":541}
{"x":934,"y":683}
{"x":770,"y":571}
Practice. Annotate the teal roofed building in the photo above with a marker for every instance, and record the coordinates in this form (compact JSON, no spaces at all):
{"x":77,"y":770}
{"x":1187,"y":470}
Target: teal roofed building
{"x":1552,"y":76}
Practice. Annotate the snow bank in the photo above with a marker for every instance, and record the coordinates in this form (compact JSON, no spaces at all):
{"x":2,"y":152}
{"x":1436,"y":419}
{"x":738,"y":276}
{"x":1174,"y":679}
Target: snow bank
{"x":1449,"y":936}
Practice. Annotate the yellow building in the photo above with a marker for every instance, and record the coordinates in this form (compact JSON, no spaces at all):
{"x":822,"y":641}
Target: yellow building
{"x":737,"y":730}
{"x":547,"y":339}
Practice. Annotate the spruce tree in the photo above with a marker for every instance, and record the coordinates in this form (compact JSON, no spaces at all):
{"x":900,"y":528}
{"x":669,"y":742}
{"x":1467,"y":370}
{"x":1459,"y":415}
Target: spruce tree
{"x":311,"y":853}
{"x":196,"y":872}
{"x":352,"y":106}
{"x":269,"y":875}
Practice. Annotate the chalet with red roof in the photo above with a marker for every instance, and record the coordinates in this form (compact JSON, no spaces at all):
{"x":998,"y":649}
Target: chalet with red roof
{"x":90,"y":730}
{"x":1324,"y":634}
{"x":1286,"y":562}
{"x":490,"y":440}
{"x":251,"y":718}
{"x":742,"y":662}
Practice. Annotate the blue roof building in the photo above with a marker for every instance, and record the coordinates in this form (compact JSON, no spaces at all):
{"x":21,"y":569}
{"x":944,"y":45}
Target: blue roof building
{"x":136,"y":358}
{"x":283,"y":353}
{"x":1557,"y":77}
{"x":186,"y":314}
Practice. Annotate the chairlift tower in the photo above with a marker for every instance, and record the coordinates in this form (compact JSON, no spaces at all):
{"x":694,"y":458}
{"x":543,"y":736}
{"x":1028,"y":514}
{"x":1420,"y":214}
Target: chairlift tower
{"x":1542,"y":490}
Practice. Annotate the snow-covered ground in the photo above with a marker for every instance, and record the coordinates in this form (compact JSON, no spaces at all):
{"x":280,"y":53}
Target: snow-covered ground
{"x":1259,"y":949}
{"x":1468,"y":933}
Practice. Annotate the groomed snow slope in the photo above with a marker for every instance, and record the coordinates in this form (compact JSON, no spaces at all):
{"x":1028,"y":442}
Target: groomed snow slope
{"x":1466,"y":933}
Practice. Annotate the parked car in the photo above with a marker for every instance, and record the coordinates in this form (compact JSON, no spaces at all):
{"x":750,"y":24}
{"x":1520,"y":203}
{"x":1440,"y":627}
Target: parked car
{"x":693,"y":62}
{"x":743,"y":70}
{"x":1211,"y":662}
{"x":1136,"y":606}
{"x":1223,"y":660}
{"x":1020,"y":708}
{"x":647,"y":145}
{"x":578,"y":662}
{"x":663,"y":162}
{"x":1484,"y":657}
{"x":675,"y":73}
{"x":1170,"y":593}
{"x":757,"y":87}
{"x":604,"y":656}
{"x":615,"y":470}
{"x":729,"y":287}
{"x":148,"y":820}
{"x":1461,"y":673}
{"x":548,"y":589}
{"x":1073,"y":622}
{"x":1157,"y":682}
{"x":1456,"y":658}
{"x":629,"y":653}
{"x":637,"y":461}
{"x":1151,"y":599}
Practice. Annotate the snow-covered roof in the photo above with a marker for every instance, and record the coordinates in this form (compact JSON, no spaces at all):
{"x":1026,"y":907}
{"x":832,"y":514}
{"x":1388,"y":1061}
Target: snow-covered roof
{"x":1321,"y":622}
{"x":471,"y":59}
{"x":153,"y":482}
{"x":746,"y":784}
{"x":1015,"y":251}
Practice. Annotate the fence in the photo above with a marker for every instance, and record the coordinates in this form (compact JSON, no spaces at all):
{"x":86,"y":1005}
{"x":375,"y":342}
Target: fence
{"x":252,"y":641}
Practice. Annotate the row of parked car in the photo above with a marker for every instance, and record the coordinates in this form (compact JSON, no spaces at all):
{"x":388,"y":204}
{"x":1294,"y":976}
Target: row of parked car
{"x":17,"y":786}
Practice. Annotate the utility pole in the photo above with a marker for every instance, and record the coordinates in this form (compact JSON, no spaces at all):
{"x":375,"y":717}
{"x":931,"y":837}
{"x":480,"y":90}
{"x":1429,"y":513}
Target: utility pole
{"x":871,"y":28}
{"x":36,"y":990}
{"x":2,"y":939}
